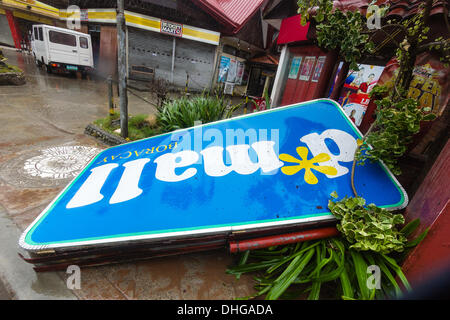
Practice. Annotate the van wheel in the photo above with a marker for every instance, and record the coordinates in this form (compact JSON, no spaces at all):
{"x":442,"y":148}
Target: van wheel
{"x":48,"y":69}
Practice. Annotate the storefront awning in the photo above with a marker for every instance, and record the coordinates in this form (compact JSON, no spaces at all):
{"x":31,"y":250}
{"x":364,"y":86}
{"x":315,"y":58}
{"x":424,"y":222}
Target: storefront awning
{"x":292,"y":31}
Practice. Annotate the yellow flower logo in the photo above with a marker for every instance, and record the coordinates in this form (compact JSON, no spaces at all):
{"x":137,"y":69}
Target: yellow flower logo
{"x":306,"y":164}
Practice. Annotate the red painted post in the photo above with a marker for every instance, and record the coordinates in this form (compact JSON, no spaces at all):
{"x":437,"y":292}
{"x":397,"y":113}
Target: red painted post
{"x":14,"y":29}
{"x":265,"y":242}
{"x":431,"y":204}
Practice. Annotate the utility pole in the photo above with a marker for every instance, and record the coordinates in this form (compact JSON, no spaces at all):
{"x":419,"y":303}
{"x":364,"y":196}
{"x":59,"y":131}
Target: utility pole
{"x":122,"y":69}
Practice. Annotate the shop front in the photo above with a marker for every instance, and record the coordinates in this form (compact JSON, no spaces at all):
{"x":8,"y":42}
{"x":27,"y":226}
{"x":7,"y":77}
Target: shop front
{"x":167,"y":55}
{"x":304,"y":70}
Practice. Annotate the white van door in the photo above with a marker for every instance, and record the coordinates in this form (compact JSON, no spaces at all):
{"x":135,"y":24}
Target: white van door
{"x":85,"y":51}
{"x":62,"y":47}
{"x":39,"y":44}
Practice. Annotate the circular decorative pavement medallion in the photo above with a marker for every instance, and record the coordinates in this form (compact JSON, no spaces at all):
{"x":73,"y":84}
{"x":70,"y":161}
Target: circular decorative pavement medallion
{"x":48,"y":167}
{"x":60,"y":162}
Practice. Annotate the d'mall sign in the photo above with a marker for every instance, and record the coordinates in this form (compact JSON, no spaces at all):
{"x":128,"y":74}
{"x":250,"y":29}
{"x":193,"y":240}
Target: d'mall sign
{"x":261,"y":170}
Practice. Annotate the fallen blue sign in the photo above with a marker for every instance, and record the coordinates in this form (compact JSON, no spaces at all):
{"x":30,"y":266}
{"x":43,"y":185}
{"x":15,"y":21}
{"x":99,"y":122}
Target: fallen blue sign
{"x":254,"y":172}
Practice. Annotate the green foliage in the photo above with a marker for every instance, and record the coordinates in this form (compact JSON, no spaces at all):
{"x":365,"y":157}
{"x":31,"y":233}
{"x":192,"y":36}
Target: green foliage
{"x":368,"y":227}
{"x":7,"y":68}
{"x":303,"y":270}
{"x":395,"y":125}
{"x":138,"y":127}
{"x":300,"y":270}
{"x":185,"y":111}
{"x":304,"y":6}
{"x":337,"y":30}
{"x":342,"y":31}
{"x":106,"y":123}
{"x":378,"y":92}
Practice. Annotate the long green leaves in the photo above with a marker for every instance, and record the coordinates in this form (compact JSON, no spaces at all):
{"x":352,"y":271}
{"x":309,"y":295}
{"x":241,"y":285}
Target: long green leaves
{"x":291,"y":270}
{"x":369,"y":235}
{"x":289,"y":275}
{"x":186,"y":111}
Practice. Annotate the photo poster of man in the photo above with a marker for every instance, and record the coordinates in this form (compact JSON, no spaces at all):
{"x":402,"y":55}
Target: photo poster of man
{"x":354,"y":97}
{"x":307,"y":67}
{"x":223,"y":69}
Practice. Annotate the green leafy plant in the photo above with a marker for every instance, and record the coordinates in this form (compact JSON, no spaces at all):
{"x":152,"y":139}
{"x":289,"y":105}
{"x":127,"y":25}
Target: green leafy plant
{"x":138,"y":127}
{"x":391,"y":132}
{"x":340,"y":31}
{"x":369,"y":237}
{"x":186,"y":111}
{"x":7,"y":68}
{"x":368,"y":227}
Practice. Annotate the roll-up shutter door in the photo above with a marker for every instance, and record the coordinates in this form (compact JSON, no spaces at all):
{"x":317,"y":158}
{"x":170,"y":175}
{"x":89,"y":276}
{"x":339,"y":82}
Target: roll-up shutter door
{"x":5,"y":32}
{"x":196,"y":59}
{"x":150,"y":55}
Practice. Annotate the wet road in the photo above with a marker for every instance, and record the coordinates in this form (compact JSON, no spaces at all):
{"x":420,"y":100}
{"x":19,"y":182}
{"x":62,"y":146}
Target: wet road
{"x":42,"y":145}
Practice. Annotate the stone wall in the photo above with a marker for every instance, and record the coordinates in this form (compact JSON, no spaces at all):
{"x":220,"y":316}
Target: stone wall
{"x":104,"y":136}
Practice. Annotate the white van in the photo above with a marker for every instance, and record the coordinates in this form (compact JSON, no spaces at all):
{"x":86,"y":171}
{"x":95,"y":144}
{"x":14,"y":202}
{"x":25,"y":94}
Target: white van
{"x":61,"y":50}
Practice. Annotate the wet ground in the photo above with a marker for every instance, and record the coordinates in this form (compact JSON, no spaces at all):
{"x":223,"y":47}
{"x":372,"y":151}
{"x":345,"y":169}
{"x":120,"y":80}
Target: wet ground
{"x":42,"y":146}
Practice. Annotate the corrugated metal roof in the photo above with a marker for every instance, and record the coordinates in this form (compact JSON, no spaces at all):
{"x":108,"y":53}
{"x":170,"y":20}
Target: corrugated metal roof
{"x":232,"y":12}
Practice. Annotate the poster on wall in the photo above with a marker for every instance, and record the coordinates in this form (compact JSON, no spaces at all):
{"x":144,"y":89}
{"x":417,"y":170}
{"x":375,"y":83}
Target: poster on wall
{"x":307,"y":67}
{"x":228,"y":88}
{"x":429,"y":86}
{"x":318,"y":69}
{"x":354,"y":97}
{"x":240,"y":72}
{"x":295,"y":66}
{"x":231,"y":77}
{"x":223,"y":68}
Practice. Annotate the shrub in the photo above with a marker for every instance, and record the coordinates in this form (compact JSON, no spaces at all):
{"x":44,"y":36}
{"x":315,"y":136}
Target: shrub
{"x":185,"y":111}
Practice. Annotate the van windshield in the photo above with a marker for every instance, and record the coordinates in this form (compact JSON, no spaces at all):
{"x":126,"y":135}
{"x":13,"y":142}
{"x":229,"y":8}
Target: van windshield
{"x":62,"y":38}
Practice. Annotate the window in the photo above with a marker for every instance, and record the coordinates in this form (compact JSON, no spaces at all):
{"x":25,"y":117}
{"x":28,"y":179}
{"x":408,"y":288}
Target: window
{"x":62,"y":38}
{"x":41,"y":37}
{"x":83,"y":42}
{"x":36,"y":37}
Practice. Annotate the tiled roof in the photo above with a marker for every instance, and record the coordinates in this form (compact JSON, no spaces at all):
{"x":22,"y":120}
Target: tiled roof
{"x":405,"y":8}
{"x":397,"y":8}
